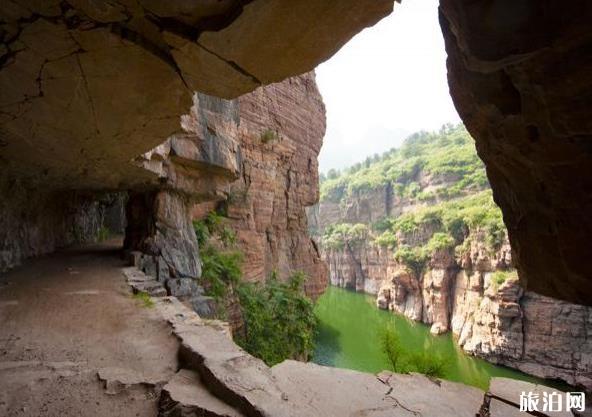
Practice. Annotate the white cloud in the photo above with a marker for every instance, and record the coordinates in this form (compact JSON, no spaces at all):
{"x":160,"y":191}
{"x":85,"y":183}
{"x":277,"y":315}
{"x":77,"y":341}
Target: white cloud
{"x":387,"y":82}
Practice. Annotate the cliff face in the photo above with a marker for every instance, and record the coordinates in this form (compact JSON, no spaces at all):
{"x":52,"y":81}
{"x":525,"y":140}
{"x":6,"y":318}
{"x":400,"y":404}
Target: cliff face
{"x":523,"y":89}
{"x":473,"y":292}
{"x":538,"y":335}
{"x":281,"y":128}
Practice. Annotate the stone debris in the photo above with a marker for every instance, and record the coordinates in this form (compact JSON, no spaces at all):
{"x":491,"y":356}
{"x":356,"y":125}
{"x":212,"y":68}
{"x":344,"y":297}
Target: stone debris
{"x":140,"y":282}
{"x":186,"y":396}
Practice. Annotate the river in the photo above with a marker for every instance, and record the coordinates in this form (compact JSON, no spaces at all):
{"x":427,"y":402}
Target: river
{"x":350,"y":329}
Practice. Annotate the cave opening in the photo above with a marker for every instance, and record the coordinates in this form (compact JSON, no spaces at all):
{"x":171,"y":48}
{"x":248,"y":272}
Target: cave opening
{"x":192,"y":130}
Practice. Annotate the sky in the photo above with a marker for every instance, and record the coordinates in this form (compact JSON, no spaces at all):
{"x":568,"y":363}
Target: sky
{"x":386,"y":83}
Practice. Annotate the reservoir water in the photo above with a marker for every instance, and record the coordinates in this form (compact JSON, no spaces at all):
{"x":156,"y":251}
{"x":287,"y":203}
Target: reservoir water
{"x":350,"y":332}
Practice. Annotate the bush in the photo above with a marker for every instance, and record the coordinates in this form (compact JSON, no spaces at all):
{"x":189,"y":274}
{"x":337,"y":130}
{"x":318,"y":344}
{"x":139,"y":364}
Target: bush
{"x":427,"y":362}
{"x":440,"y":241}
{"x":336,"y":236}
{"x":221,"y":264}
{"x":413,"y":257}
{"x":387,"y":239}
{"x":395,"y":355}
{"x":220,"y":269}
{"x":269,"y":136}
{"x":279,"y":320}
{"x":499,"y":277}
{"x":202,"y":233}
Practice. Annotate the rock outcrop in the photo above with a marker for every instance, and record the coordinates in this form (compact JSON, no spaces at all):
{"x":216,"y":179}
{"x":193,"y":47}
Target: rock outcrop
{"x":88,"y":86}
{"x":521,"y":83}
{"x":218,"y":378}
{"x":280,"y":132}
{"x":90,"y":92}
{"x":460,"y":292}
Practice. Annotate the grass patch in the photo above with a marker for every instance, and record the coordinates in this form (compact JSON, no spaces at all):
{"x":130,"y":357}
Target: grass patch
{"x":144,"y":298}
{"x":498,"y":278}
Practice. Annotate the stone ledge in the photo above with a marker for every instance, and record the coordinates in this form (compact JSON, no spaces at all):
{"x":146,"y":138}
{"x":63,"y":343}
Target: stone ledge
{"x":221,"y":379}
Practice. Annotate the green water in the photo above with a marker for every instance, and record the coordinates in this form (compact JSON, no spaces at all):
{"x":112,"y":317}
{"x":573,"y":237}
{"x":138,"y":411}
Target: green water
{"x":349,"y":337}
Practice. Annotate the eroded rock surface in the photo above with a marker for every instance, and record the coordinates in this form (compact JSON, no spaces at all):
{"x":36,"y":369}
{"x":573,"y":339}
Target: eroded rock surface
{"x":280,"y":132}
{"x":89,"y":86}
{"x":522,"y":86}
{"x":37,"y":222}
{"x":500,"y":322}
{"x":212,"y":361}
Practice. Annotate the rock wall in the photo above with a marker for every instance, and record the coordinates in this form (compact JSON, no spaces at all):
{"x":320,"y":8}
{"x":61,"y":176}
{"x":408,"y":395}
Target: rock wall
{"x":90,"y":92}
{"x":281,"y":128}
{"x":34,"y":223}
{"x":458,"y":292}
{"x":519,"y":75}
{"x":371,"y":205}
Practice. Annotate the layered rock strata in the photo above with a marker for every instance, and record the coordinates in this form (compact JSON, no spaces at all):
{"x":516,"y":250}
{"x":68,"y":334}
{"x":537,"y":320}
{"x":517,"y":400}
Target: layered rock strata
{"x":280,"y":132}
{"x":90,"y":93}
{"x":193,"y":166}
{"x":88,"y":86}
{"x":500,"y":322}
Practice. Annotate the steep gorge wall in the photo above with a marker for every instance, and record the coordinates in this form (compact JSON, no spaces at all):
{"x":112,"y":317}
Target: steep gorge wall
{"x":458,"y":292}
{"x":519,"y":75}
{"x":280,"y":132}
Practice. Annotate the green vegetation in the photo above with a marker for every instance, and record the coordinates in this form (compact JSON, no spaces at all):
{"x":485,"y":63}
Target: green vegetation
{"x":144,"y":298}
{"x":221,"y":262}
{"x":220,"y":269}
{"x":449,"y":153}
{"x":337,"y":236}
{"x":446,"y":226}
{"x":499,"y":277}
{"x":427,"y":362}
{"x":279,"y":320}
{"x":269,"y":136}
{"x":414,"y":258}
{"x":278,"y":316}
{"x":386,"y":239}
{"x":103,"y":234}
{"x":448,"y":216}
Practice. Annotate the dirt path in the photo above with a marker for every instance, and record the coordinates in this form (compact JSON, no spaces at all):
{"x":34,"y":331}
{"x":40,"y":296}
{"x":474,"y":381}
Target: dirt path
{"x":63,"y":318}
